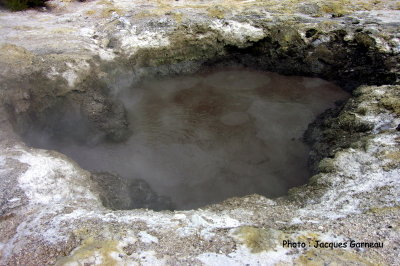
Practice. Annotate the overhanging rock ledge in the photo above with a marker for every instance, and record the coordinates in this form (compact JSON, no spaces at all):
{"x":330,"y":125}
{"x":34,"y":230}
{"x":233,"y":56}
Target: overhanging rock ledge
{"x":79,"y":52}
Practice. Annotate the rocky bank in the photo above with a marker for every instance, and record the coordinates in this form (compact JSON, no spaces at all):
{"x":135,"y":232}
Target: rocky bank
{"x":77,"y":54}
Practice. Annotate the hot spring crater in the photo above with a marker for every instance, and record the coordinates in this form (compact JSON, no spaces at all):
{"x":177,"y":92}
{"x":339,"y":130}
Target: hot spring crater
{"x":172,"y":133}
{"x":198,"y":139}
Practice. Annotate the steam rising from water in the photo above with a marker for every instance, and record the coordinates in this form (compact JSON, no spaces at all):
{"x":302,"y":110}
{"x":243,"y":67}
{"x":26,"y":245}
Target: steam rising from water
{"x":203,"y":138}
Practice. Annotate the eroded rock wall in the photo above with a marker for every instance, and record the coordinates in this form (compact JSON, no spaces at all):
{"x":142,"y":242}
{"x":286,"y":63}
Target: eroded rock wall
{"x":78,"y":54}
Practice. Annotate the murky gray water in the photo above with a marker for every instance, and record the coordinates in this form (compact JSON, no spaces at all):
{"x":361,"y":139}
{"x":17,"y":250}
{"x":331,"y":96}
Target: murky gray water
{"x":202,"y":138}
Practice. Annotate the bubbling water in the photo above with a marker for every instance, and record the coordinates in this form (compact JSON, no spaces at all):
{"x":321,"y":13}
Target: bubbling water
{"x":202,"y":138}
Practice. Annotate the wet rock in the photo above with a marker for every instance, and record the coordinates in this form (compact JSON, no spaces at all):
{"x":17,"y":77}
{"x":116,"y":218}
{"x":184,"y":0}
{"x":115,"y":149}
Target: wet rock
{"x":61,"y":216}
{"x":106,"y":116}
{"x":364,"y":40}
{"x":119,"y":193}
{"x":339,"y":128}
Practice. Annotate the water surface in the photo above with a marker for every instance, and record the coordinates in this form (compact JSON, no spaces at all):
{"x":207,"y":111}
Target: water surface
{"x":203,"y":138}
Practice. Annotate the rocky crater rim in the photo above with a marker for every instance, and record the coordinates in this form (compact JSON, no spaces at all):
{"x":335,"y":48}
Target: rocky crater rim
{"x":355,"y":148}
{"x":37,"y":85}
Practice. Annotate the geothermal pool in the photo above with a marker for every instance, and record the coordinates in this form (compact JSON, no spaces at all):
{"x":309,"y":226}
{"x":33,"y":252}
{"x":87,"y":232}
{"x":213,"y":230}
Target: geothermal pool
{"x":202,"y":138}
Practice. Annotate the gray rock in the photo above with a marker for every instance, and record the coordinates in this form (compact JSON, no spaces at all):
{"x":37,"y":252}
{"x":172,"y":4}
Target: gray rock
{"x":121,"y":193}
